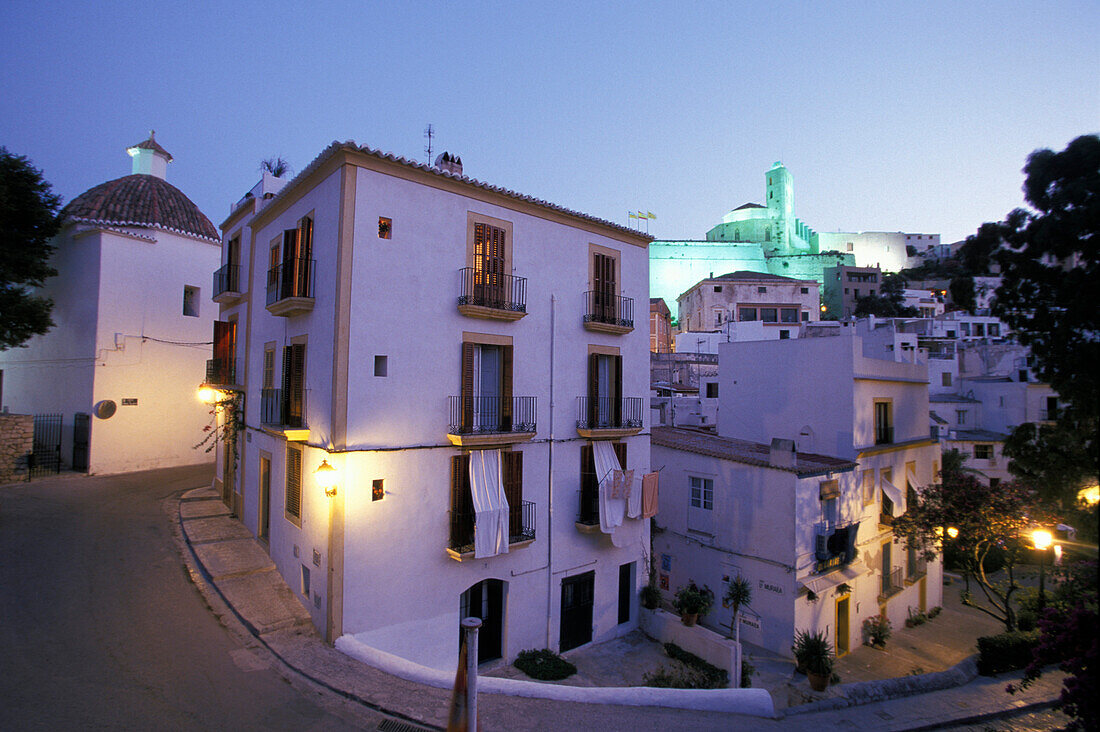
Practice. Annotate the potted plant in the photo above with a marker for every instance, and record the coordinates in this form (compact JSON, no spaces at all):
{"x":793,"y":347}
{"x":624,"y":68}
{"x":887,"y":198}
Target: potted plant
{"x":693,"y":601}
{"x":877,"y":629}
{"x":815,"y":655}
{"x":651,"y":597}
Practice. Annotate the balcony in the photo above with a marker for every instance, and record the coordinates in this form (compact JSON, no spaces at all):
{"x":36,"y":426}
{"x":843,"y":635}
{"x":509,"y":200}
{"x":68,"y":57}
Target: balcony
{"x":221,"y":372}
{"x":283,"y":417}
{"x":521,"y":530}
{"x":491,"y":296}
{"x":491,"y":421}
{"x":607,"y":418}
{"x":834,"y":546}
{"x":891,"y":584}
{"x":884,"y":434}
{"x":916,"y":567}
{"x":607,"y":313}
{"x":227,"y":284}
{"x":290,"y":287}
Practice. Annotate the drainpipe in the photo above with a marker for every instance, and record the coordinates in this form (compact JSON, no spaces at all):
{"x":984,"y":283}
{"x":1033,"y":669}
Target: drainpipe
{"x":550,"y":488}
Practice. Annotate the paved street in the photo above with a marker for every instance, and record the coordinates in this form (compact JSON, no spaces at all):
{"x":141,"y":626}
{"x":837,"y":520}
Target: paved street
{"x":103,"y":628}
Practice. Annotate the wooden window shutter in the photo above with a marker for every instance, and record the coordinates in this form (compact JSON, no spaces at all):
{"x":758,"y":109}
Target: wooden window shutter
{"x":588,"y":468}
{"x":513,"y":490}
{"x":305,"y":238}
{"x":617,"y":397}
{"x":462,"y":502}
{"x":290,"y":245}
{"x":593,"y":387}
{"x":506,"y":389}
{"x":284,"y":396}
{"x":223,"y":346}
{"x":620,"y":453}
{"x":290,"y":264}
{"x":293,"y":397}
{"x":468,"y":387}
{"x":294,"y":482}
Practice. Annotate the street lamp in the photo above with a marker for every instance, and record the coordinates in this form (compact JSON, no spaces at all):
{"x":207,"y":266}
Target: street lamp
{"x":326,"y":478}
{"x":207,"y":395}
{"x":1042,"y":540}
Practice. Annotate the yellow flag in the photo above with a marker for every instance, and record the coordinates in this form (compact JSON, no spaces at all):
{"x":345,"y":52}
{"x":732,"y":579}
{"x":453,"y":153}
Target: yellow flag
{"x":650,"y":215}
{"x":632,"y":214}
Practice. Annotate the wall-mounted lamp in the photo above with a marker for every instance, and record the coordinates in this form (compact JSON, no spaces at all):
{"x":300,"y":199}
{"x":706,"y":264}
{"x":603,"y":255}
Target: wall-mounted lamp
{"x":208,"y":395}
{"x":326,"y":478}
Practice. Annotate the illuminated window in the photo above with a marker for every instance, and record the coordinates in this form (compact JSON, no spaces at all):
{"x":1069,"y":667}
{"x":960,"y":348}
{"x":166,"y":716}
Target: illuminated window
{"x":385,"y":227}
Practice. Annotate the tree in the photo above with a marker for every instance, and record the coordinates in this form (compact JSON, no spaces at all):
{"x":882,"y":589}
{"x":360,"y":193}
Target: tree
{"x":276,"y":166}
{"x":1050,"y":263}
{"x":28,"y":221}
{"x":889,"y":302}
{"x":1052,"y":457}
{"x":987,"y":519}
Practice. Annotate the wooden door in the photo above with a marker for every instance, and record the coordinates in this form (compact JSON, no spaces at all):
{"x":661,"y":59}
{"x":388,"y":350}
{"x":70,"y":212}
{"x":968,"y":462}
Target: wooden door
{"x":842,"y":605}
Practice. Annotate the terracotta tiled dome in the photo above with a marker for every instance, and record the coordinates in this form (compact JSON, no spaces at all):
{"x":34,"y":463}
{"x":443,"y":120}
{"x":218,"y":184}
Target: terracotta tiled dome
{"x":141,"y":200}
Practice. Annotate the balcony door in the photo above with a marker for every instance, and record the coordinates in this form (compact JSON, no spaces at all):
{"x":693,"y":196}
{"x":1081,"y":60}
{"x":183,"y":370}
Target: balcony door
{"x":485,"y":600}
{"x":603,"y":281}
{"x":842,"y":625}
{"x":605,"y":393}
{"x":490,"y":261}
{"x":486,"y":387}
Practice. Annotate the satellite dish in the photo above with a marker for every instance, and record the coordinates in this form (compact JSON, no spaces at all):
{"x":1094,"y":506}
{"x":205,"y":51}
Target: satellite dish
{"x":105,"y":409}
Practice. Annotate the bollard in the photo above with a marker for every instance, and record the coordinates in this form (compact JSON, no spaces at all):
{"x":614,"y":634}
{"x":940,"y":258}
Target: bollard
{"x":470,"y":626}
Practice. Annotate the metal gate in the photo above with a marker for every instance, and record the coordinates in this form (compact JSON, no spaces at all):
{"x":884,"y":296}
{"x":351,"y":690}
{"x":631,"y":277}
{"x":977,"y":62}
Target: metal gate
{"x":82,"y":433}
{"x":46,"y":454}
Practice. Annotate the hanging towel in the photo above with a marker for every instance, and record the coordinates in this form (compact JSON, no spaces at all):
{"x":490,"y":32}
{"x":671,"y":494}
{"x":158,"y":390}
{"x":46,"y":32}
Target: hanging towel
{"x":649,"y":495}
{"x":633,"y":496}
{"x":612,"y":509}
{"x":490,"y":504}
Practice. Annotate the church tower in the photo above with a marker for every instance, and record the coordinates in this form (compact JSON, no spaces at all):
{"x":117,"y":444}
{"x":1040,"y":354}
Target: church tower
{"x":780,"y":203}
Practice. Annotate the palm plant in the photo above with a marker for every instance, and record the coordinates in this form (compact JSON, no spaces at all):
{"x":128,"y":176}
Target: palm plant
{"x":738,"y":595}
{"x":276,"y":166}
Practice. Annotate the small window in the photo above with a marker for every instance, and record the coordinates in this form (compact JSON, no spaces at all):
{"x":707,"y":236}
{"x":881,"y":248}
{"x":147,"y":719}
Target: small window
{"x":851,"y":246}
{"x":702,"y":493}
{"x":945,"y":379}
{"x":746,"y":314}
{"x":712,"y":390}
{"x":804,"y":290}
{"x":381,"y":365}
{"x":190,"y":301}
{"x":784,"y":335}
{"x":761,"y":289}
{"x":789,"y":315}
{"x":294,"y":484}
{"x":269,"y":367}
{"x":717,"y":318}
{"x":868,"y":487}
{"x":305,"y":580}
{"x":769,"y":315}
{"x":805,"y":316}
{"x":378,"y":489}
{"x":960,"y":416}
{"x":983,"y":452}
{"x":385,"y":227}
{"x":717,"y":288}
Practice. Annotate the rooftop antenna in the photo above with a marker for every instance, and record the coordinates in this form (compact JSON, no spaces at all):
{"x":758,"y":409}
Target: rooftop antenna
{"x":429,"y":132}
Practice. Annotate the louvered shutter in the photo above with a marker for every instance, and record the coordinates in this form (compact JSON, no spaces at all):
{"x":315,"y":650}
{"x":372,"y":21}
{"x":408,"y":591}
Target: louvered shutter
{"x":593,"y":388}
{"x":617,"y":397}
{"x":284,"y":396}
{"x":590,"y":505}
{"x":620,"y":453}
{"x":462,"y":503}
{"x":295,"y":414}
{"x":513,"y":491}
{"x":293,"y":482}
{"x":223,"y":344}
{"x":506,"y":389}
{"x":467,"y":387}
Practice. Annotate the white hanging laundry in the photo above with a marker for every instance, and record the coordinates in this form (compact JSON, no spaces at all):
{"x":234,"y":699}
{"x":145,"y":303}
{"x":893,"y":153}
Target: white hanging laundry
{"x":490,"y":504}
{"x":612,"y":510}
{"x":633,"y":494}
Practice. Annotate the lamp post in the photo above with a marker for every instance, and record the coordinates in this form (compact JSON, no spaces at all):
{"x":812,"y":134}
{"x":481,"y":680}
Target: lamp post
{"x":326,"y":478}
{"x":1042,"y":540}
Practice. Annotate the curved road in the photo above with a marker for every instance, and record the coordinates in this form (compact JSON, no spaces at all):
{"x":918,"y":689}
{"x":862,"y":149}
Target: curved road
{"x":101,"y":626}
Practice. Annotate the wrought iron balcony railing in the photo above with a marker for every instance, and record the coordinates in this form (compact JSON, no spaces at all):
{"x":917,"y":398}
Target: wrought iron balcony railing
{"x":608,"y":413}
{"x":227,"y":279}
{"x":486,"y":415}
{"x":521,"y":526}
{"x":884,"y":434}
{"x":290,"y":279}
{"x":221,"y":371}
{"x":603,"y":307}
{"x":891,"y":583}
{"x":491,"y":290}
{"x":282,"y":410}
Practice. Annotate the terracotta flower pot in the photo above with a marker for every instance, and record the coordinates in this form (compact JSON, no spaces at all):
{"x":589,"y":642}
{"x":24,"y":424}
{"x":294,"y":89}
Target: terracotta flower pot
{"x":689,"y":619}
{"x":817,"y":682}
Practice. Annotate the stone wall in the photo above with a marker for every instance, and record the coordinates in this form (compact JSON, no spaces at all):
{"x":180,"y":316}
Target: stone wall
{"x":16,"y":440}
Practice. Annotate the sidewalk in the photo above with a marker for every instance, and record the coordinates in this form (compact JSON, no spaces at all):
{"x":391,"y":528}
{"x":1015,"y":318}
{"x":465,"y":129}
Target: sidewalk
{"x":231,"y":566}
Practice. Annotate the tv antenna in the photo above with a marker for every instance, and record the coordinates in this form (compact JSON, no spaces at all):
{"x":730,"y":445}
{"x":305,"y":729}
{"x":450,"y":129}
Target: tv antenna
{"x":429,"y":132}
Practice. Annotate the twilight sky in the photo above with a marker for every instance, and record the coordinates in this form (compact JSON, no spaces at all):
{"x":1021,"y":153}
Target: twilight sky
{"x":910,"y":116}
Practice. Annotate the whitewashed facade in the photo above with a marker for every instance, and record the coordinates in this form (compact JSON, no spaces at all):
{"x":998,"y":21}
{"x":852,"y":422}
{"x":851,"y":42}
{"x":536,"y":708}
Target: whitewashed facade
{"x":381,"y":350}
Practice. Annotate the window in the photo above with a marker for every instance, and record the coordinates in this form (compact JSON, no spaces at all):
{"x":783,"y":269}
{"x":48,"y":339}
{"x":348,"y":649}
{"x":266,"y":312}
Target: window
{"x":761,"y":289}
{"x":994,"y":330}
{"x":294,"y":484}
{"x":604,"y":286}
{"x":717,"y":317}
{"x":868,"y":487}
{"x":702,"y":493}
{"x":717,"y":288}
{"x":378,"y":489}
{"x":746,"y":314}
{"x":605,"y":391}
{"x":487,"y":387}
{"x":983,"y":452}
{"x":190,"y":301}
{"x":964,"y":328}
{"x":712,"y":390}
{"x":490,"y":263}
{"x":784,"y":335}
{"x":945,"y":379}
{"x":769,"y":315}
{"x":305,"y":580}
{"x":805,"y":316}
{"x":381,"y":365}
{"x":1052,"y":408}
{"x":960,"y":416}
{"x":884,"y":422}
{"x":385,"y":227}
{"x":828,"y":512}
{"x":462,"y":502}
{"x":789,"y":315}
{"x":294,"y":377}
{"x":590,"y":485}
{"x":804,"y":290}
{"x":269,"y":366}
{"x":225,"y":351}
{"x":979,"y":330}
{"x":851,"y":246}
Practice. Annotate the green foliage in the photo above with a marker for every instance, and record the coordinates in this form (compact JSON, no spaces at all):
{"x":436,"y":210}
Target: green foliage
{"x":1053,"y":457}
{"x":28,"y":221}
{"x":738,"y":595}
{"x":747,"y":672}
{"x":651,"y":597}
{"x":692,"y":599}
{"x":878,"y":629}
{"x":962,"y":293}
{"x":688,"y":672}
{"x":544,"y":665}
{"x":1005,"y":652}
{"x":889,"y":302}
{"x":813,"y":652}
{"x":276,"y":166}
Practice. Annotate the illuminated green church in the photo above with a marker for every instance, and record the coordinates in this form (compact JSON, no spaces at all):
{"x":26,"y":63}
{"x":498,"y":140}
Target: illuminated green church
{"x":767,"y":238}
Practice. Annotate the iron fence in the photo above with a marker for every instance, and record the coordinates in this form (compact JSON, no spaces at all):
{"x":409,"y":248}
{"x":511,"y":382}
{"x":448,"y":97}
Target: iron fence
{"x":603,"y":307}
{"x":491,"y":290}
{"x":603,"y":413}
{"x":521,"y":526}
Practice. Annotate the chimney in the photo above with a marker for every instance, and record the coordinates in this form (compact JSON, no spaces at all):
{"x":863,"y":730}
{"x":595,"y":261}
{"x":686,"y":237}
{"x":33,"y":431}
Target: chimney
{"x":149,"y":158}
{"x":781,"y":454}
{"x":448,"y":163}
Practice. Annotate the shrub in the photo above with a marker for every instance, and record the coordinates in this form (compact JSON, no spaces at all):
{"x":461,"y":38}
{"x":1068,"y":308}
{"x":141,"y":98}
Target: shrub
{"x":712,"y":673}
{"x":877,"y":628}
{"x":747,"y":671}
{"x":935,"y":611}
{"x":692,"y":599}
{"x":813,"y":652}
{"x":651,"y":597}
{"x":1005,"y":651}
{"x":544,"y":665}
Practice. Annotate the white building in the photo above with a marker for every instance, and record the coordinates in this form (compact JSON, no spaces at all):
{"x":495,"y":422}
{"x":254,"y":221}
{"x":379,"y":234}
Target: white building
{"x":828,"y":396}
{"x":133,"y":320}
{"x":778,"y":303}
{"x":467,"y":358}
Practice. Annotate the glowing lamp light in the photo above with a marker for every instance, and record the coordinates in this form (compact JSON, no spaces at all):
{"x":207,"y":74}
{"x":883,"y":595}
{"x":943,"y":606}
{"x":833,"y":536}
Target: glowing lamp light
{"x":952,"y":531}
{"x":824,"y":308}
{"x":1042,"y":539}
{"x":208,"y":395}
{"x":326,"y":478}
{"x":1090,"y":495}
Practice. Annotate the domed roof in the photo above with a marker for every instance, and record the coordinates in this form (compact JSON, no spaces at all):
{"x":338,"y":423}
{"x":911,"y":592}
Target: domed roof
{"x":141,"y":200}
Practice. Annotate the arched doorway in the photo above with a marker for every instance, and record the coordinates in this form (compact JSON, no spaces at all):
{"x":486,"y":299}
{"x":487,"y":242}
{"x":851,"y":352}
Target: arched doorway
{"x":485,"y":600}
